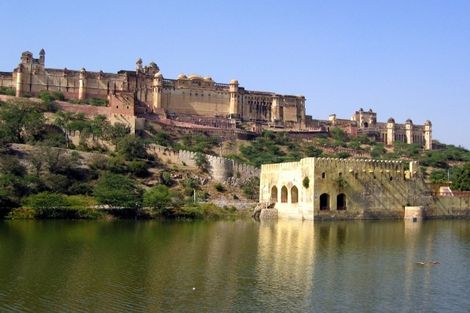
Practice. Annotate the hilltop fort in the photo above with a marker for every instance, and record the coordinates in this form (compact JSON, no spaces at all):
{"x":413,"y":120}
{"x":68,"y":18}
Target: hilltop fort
{"x":193,"y":101}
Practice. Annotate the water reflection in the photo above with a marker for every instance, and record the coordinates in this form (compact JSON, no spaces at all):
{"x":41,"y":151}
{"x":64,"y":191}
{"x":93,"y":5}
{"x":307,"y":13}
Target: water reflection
{"x":234,"y":266}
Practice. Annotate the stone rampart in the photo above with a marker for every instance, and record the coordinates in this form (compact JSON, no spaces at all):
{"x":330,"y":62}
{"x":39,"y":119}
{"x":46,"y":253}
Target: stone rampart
{"x":219,"y":168}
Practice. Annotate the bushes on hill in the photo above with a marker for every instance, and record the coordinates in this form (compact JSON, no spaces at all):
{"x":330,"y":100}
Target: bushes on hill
{"x":118,"y":191}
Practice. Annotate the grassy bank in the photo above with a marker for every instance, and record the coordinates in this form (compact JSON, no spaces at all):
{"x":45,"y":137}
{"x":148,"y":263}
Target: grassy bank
{"x":188,"y":212}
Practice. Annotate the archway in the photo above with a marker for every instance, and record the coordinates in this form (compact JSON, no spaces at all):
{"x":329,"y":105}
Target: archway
{"x":324,"y":201}
{"x":366,"y":124}
{"x":274,"y":194}
{"x":341,"y":202}
{"x":294,"y":195}
{"x":284,"y":194}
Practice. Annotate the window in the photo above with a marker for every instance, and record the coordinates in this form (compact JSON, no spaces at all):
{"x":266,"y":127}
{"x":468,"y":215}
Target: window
{"x":324,"y":201}
{"x":274,"y":194}
{"x":294,"y":195}
{"x":341,"y":202}
{"x":284,"y":194}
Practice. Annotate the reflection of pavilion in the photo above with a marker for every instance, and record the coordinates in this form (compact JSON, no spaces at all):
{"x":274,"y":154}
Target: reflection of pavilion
{"x":285,"y":259}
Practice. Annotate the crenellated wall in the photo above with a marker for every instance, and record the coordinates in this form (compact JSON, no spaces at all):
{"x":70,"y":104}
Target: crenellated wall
{"x":219,"y":168}
{"x":343,"y":188}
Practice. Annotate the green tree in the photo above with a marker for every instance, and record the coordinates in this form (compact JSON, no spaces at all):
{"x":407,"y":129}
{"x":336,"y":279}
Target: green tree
{"x":118,"y":191}
{"x":64,"y":121}
{"x":461,"y":178}
{"x":20,"y":122}
{"x":201,"y":161}
{"x":131,"y":148}
{"x":158,"y":198}
{"x":46,"y":200}
{"x":251,"y":188}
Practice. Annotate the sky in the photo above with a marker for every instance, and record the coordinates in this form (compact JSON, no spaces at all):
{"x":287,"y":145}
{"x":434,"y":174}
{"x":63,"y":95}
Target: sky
{"x":401,"y":58}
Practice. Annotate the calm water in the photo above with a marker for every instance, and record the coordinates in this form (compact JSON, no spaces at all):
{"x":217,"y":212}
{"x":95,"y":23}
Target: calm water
{"x":234,"y":266}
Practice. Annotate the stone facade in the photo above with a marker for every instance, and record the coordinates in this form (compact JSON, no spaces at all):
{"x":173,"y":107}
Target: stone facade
{"x":365,"y":123}
{"x":145,"y":90}
{"x":342,"y":188}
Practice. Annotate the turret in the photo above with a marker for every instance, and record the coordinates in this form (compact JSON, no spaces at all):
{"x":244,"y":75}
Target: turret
{"x":42,"y":57}
{"x":233,"y":90}
{"x":157,"y":90}
{"x":19,"y":80}
{"x":275,"y":109}
{"x":409,"y":131}
{"x":138,"y":65}
{"x":428,"y":135}
{"x":301,"y":112}
{"x":82,"y":85}
{"x":26,"y":58}
{"x":390,"y":131}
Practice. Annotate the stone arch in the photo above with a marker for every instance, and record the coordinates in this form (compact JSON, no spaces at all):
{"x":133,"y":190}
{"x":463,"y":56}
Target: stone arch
{"x":366,"y":125}
{"x":274,"y":194}
{"x":341,"y":202}
{"x":284,"y":194}
{"x":294,"y":195}
{"x":324,"y":201}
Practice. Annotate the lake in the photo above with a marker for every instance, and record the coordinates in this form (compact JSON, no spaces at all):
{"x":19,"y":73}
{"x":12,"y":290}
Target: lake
{"x":234,"y":266}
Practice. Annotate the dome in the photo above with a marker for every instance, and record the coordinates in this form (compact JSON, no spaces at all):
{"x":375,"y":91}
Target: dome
{"x":428,"y":123}
{"x":409,"y":121}
{"x":194,"y":76}
{"x":234,"y":82}
{"x":182,"y":76}
{"x":208,"y":78}
{"x":391,"y":120}
{"x":158,"y":74}
{"x":153,"y":64}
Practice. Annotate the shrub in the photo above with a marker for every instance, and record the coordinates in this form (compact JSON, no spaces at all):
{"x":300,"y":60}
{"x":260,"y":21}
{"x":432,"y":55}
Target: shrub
{"x":46,"y":200}
{"x":97,"y":102}
{"x":138,"y":168}
{"x":219,"y":187}
{"x":117,"y":191}
{"x":306,"y":182}
{"x":131,"y":148}
{"x":22,"y":213}
{"x":201,"y":161}
{"x":165,"y":178}
{"x":7,"y":91}
{"x":251,"y":188}
{"x":157,"y":198}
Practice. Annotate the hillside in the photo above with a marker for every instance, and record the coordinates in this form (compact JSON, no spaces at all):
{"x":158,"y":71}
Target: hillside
{"x":87,"y":162}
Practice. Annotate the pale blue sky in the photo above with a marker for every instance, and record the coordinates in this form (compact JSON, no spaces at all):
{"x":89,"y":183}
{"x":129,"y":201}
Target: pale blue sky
{"x":406,"y":59}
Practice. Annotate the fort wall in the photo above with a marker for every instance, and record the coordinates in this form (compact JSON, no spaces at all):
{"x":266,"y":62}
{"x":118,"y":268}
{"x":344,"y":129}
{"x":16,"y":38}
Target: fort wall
{"x":324,"y":188}
{"x":220,"y":169}
{"x":191,"y":95}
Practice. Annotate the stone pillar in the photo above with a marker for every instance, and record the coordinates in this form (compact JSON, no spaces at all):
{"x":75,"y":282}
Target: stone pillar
{"x":390,"y":132}
{"x":275,"y":112}
{"x":82,"y":85}
{"x":157,"y":91}
{"x":409,"y":131}
{"x":233,"y":91}
{"x":19,"y":81}
{"x":428,"y":135}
